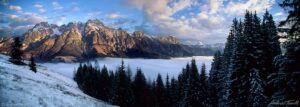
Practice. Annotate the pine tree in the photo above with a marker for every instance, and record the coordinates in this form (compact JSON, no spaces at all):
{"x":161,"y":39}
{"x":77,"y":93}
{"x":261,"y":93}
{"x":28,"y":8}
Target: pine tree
{"x":168,"y":91}
{"x":32,"y":65}
{"x":227,"y":62}
{"x":160,"y":92}
{"x":249,"y":64}
{"x":174,"y":92}
{"x":215,"y":83}
{"x":196,"y":91}
{"x":270,"y":50}
{"x":293,"y":18}
{"x":104,"y":83}
{"x":16,"y":52}
{"x":286,"y":78}
{"x":257,"y":95}
{"x":203,"y":81}
{"x":129,"y":74}
{"x":123,"y":92}
{"x":193,"y":93}
{"x":239,"y":86}
{"x":112,"y":87}
{"x":184,"y":81}
{"x":141,"y":90}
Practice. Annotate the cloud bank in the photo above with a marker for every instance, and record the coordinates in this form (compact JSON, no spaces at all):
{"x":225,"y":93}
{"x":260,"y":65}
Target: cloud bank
{"x":209,"y":24}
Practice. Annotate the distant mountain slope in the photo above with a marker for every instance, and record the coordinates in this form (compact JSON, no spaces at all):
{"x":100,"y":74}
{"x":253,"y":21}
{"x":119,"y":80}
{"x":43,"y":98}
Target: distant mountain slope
{"x":21,"y":87}
{"x":76,"y":41}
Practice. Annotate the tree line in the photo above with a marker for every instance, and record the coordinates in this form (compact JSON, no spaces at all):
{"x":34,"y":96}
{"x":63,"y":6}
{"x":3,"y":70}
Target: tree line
{"x":119,"y":87}
{"x":252,"y":71}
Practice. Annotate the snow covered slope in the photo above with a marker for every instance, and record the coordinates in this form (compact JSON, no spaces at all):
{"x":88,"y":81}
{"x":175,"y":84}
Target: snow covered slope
{"x":21,"y":87}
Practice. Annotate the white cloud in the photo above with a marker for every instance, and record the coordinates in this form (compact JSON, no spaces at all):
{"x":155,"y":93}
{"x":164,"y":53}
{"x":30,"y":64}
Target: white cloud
{"x":40,"y":8}
{"x":20,"y":23}
{"x":93,"y":15}
{"x":201,"y":26}
{"x":114,"y":16}
{"x":59,"y":20}
{"x":251,"y":5}
{"x":215,"y":5}
{"x":25,"y":19}
{"x":211,"y":20}
{"x":68,"y":9}
{"x":75,"y":8}
{"x":202,"y":15}
{"x":21,"y":29}
{"x":13,"y":16}
{"x":15,"y":8}
{"x":56,"y":6}
{"x":278,"y":14}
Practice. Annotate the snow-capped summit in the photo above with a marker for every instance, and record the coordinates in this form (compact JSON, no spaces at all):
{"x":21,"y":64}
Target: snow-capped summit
{"x":55,"y":32}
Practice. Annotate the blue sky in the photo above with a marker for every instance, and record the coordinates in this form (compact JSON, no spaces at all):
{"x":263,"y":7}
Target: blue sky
{"x":206,"y":21}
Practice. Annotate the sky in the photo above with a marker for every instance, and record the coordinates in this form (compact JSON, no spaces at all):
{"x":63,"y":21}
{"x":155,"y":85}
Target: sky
{"x":191,"y":21}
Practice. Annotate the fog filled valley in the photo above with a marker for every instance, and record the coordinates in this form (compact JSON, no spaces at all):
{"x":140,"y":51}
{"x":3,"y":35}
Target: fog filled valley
{"x":157,"y":53}
{"x":150,"y":67}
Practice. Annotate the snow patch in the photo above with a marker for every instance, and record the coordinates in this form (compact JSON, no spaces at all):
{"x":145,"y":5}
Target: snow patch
{"x":55,"y":32}
{"x":21,"y":87}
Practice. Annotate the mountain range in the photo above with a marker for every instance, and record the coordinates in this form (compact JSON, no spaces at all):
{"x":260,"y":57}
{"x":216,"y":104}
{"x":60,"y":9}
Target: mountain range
{"x":77,"y":41}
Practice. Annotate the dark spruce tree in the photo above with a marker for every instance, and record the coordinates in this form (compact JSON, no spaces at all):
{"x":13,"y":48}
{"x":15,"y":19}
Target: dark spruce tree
{"x":269,"y":51}
{"x":286,"y":78}
{"x":168,"y":92}
{"x":112,"y":86}
{"x":227,"y":62}
{"x":32,"y":64}
{"x":215,"y":82}
{"x":184,"y":83}
{"x":196,"y":92}
{"x":293,"y":18}
{"x":257,"y":94}
{"x":123,"y":93}
{"x":160,"y":92}
{"x":104,"y":84}
{"x":256,"y":44}
{"x":243,"y":62}
{"x":237,"y":67}
{"x":16,"y":52}
{"x":193,"y":93}
{"x":141,"y":90}
{"x":174,"y":93}
{"x":204,"y":86}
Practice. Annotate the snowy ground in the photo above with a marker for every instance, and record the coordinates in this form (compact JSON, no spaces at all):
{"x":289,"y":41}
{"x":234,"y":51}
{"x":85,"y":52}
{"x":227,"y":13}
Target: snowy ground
{"x":21,"y":87}
{"x":150,"y":67}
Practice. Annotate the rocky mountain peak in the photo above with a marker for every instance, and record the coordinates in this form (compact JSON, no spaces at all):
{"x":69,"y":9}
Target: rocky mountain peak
{"x":93,"y":25}
{"x":138,"y":34}
{"x":170,"y":39}
{"x":86,"y":40}
{"x":41,"y":27}
{"x":95,"y":21}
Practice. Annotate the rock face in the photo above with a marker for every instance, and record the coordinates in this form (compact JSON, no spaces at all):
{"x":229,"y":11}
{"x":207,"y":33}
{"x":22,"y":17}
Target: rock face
{"x":77,"y":41}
